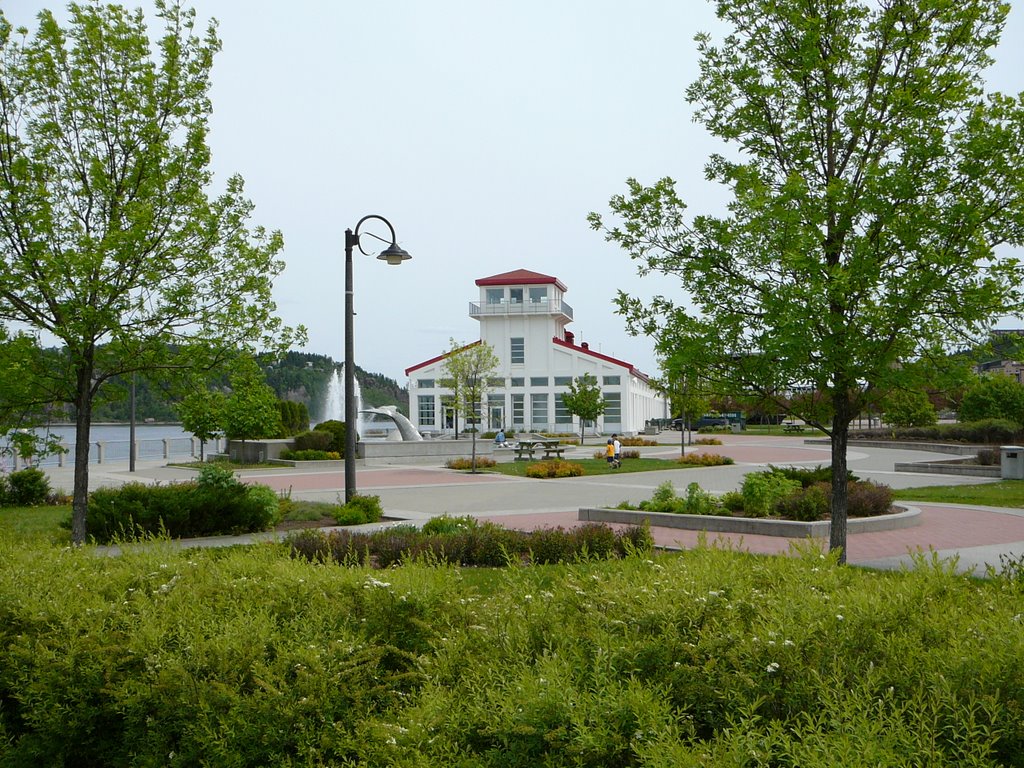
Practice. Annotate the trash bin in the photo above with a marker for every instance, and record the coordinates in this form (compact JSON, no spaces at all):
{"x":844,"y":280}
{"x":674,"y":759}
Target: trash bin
{"x":1011,"y":462}
{"x":736,"y":428}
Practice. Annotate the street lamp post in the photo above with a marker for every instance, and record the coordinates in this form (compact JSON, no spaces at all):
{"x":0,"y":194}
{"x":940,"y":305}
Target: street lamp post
{"x":393,"y":255}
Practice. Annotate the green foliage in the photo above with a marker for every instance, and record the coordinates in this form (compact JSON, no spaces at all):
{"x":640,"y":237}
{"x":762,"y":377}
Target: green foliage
{"x":335,"y":428}
{"x":251,"y":410}
{"x":808,"y":476}
{"x":554,"y":468}
{"x":860,"y":233}
{"x":762,"y":491}
{"x":446,"y":525}
{"x":203,"y":412}
{"x":994,"y":397}
{"x":360,"y":509}
{"x":807,"y":504}
{"x":310,"y":455}
{"x":909,"y":408}
{"x":294,"y":417}
{"x":991,"y":431}
{"x":316,"y":440}
{"x":247,"y":657}
{"x":582,"y":398}
{"x":216,"y":503}
{"x":27,"y":487}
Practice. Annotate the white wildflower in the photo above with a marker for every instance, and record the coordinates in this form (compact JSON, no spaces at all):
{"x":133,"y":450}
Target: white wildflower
{"x":773,"y":667}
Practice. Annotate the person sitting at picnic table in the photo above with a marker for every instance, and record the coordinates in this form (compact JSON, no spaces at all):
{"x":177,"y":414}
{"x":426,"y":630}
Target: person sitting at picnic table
{"x":500,"y":441}
{"x":610,"y":455}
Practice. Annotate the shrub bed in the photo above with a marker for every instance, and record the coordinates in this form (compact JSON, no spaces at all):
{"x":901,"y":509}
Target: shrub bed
{"x":244,"y":657}
{"x":988,"y":431}
{"x":467,"y":542}
{"x":463,"y":463}
{"x":310,"y":455}
{"x":704,"y":460}
{"x":215,"y":503}
{"x":28,"y":487}
{"x":554,"y":468}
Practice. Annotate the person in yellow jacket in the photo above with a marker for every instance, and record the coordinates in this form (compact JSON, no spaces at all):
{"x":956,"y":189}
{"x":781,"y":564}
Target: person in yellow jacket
{"x":609,"y":453}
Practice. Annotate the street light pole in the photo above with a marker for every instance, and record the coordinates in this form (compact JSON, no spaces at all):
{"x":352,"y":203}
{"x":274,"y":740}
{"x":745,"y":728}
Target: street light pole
{"x":393,"y":255}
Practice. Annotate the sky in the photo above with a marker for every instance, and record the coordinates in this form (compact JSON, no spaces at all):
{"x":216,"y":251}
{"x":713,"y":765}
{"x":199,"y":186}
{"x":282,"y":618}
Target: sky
{"x":484,"y":132}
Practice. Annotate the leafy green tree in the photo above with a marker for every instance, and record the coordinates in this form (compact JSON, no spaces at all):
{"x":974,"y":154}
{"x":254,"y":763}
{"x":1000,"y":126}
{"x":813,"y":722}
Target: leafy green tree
{"x":203,"y":413}
{"x":872,"y":178}
{"x":109,"y":238}
{"x":582,"y":398}
{"x":468,"y":370}
{"x":995,"y":396}
{"x":251,"y":411}
{"x":909,"y":408}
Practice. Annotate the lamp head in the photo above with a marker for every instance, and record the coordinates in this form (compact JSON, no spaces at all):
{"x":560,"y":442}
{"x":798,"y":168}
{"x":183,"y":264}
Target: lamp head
{"x":394,"y":255}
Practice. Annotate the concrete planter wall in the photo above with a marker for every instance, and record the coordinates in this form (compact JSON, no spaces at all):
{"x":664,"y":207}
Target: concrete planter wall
{"x":909,"y":517}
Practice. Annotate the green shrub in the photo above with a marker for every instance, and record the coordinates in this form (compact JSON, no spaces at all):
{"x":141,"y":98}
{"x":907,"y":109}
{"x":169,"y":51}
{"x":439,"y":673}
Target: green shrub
{"x":310,"y":455}
{"x":699,"y":502}
{"x":555,"y":468}
{"x":27,"y":487}
{"x":808,"y":476}
{"x":216,"y":503}
{"x":868,"y":499}
{"x":360,"y":509}
{"x":338,"y":430}
{"x":805,"y":504}
{"x":314,"y":440}
{"x":762,"y":491}
{"x":707,"y":441}
{"x":446,"y":525}
{"x":637,"y":441}
{"x":732,"y":501}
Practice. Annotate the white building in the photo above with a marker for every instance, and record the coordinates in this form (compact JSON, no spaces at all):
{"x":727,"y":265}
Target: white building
{"x":523,"y":317}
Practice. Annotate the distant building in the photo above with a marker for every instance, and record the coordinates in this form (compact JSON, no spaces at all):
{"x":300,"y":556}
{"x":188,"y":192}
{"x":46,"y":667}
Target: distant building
{"x":523,"y":317}
{"x":1007,"y":344}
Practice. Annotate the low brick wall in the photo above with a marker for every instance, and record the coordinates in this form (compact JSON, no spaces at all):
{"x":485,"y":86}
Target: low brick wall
{"x":907,"y":518}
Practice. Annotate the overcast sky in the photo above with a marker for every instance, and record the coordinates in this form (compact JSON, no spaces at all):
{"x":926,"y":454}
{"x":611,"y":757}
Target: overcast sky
{"x":484,"y":132}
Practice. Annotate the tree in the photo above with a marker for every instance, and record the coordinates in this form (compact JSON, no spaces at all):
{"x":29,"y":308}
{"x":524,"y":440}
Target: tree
{"x":995,"y":396}
{"x":687,"y":395}
{"x":202,"y":412}
{"x":468,"y":370}
{"x":109,"y":240}
{"x":582,"y":398}
{"x":871,"y":179}
{"x":909,"y":408}
{"x":251,"y":411}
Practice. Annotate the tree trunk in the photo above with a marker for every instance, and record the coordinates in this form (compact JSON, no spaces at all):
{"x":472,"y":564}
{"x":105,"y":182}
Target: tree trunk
{"x":840,"y":495}
{"x":83,"y":419}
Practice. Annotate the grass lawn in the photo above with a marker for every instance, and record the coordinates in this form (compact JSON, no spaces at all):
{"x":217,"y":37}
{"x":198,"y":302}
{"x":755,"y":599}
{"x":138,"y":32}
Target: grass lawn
{"x":35,"y":524}
{"x":1005,"y":493}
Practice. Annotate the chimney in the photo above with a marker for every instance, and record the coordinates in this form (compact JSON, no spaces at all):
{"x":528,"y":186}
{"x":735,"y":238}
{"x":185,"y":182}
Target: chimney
{"x":585,"y":345}
{"x":570,"y":337}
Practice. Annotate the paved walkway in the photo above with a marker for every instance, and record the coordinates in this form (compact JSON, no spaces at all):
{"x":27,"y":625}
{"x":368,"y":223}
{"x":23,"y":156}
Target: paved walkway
{"x":975,"y":536}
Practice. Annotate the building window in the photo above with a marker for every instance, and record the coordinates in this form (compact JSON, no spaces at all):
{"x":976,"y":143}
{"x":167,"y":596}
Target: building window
{"x":425,"y":383}
{"x":426,"y":411}
{"x":613,"y":407}
{"x":518,"y":410}
{"x":538,"y":295}
{"x":495,"y":411}
{"x":495,"y":295}
{"x":539,"y":409}
{"x":495,"y":382}
{"x":515,"y":295}
{"x":518,"y":350}
{"x":562,"y":415}
{"x":612,"y":381}
{"x":563,"y":381}
{"x":538,"y":381}
{"x":518,"y":381}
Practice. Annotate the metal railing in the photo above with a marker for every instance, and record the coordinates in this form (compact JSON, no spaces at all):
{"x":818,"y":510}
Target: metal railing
{"x":116,"y":451}
{"x":476,"y":309}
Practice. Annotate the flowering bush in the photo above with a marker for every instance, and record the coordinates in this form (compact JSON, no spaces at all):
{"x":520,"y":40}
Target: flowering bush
{"x":704,"y":460}
{"x":555,"y":468}
{"x":462,"y":463}
{"x":707,"y":441}
{"x":310,"y":455}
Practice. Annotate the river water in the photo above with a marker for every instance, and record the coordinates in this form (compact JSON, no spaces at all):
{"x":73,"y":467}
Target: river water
{"x":110,"y":442}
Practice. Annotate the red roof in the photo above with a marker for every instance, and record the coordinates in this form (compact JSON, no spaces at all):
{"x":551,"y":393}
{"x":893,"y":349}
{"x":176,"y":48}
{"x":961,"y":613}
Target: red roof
{"x":433,"y":360}
{"x":521,"y":277}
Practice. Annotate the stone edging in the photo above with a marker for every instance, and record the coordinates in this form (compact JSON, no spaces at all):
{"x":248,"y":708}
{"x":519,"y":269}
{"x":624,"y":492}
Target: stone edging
{"x":909,"y":517}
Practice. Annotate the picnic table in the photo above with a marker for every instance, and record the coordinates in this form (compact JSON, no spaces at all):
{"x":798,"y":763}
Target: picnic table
{"x":792,"y":426}
{"x":526,"y":447}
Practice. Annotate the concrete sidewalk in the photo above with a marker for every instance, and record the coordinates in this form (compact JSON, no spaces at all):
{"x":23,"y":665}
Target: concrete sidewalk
{"x":977,"y":537}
